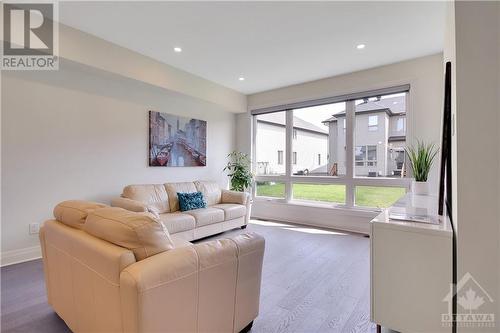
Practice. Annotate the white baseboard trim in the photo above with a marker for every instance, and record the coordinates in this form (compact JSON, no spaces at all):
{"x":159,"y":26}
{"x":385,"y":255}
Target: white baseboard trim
{"x":21,"y":255}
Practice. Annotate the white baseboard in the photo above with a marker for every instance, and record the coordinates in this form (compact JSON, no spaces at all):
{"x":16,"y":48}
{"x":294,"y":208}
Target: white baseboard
{"x":21,"y":255}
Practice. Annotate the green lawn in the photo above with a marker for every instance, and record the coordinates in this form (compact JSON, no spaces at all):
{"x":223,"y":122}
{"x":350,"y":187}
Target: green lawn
{"x":382,"y":197}
{"x":275,"y":190}
{"x":368,"y":196}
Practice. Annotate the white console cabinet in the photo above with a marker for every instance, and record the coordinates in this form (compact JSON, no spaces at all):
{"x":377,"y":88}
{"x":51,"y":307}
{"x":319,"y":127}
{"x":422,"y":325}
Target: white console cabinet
{"x":411,"y":268}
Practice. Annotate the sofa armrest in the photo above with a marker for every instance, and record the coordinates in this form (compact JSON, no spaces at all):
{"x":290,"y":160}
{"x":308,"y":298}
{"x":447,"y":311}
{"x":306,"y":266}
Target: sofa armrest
{"x":129,"y":204}
{"x":175,"y":290}
{"x":234,"y":197}
{"x":151,"y":288}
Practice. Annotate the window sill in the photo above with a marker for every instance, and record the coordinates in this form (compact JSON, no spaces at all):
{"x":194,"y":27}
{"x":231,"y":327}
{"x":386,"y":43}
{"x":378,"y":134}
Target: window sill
{"x":357,"y":210}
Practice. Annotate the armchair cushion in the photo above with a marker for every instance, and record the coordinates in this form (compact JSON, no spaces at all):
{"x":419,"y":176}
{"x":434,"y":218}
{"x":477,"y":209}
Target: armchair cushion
{"x":74,"y":212}
{"x":140,"y":232}
{"x":234,"y":197}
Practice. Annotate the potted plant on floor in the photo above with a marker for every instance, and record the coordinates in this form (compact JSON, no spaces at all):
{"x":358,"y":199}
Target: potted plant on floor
{"x":421,"y":159}
{"x":238,"y":167}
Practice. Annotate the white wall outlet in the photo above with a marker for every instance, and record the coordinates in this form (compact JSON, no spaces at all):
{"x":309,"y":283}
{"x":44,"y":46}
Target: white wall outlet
{"x":34,"y":228}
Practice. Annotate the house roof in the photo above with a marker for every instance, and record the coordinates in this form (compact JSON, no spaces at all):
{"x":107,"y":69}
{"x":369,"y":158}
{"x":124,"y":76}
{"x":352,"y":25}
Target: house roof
{"x":393,"y":106}
{"x":278,"y":118}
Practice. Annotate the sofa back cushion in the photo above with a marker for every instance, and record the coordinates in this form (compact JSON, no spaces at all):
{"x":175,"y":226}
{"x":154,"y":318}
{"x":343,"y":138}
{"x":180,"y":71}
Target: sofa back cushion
{"x":141,"y":233}
{"x":211,"y":191}
{"x":74,"y":212}
{"x":153,"y":195}
{"x":174,"y":188}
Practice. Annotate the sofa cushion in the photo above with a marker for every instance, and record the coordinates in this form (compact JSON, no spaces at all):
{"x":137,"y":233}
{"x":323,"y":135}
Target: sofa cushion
{"x":232,"y":211}
{"x":173,"y":188}
{"x":153,"y":195}
{"x":74,"y":212}
{"x":177,"y":222}
{"x":141,"y":233}
{"x":206,"y":216}
{"x":211,"y":191}
{"x":190,"y":201}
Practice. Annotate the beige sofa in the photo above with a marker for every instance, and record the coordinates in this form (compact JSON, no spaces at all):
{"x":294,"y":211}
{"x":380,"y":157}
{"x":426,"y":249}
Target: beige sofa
{"x":225,"y":209}
{"x":108,"y":269}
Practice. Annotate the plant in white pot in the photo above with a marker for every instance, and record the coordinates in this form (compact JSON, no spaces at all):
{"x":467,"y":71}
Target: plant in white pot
{"x":421,"y":159}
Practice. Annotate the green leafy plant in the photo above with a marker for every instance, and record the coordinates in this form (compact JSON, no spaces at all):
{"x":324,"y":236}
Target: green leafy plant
{"x":238,"y":169}
{"x":421,"y":158}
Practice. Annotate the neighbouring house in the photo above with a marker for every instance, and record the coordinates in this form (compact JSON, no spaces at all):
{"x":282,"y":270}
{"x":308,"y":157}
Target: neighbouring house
{"x":379,"y":139}
{"x":309,"y":146}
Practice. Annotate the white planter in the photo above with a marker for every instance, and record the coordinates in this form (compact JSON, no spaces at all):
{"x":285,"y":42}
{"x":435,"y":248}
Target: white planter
{"x":421,"y":188}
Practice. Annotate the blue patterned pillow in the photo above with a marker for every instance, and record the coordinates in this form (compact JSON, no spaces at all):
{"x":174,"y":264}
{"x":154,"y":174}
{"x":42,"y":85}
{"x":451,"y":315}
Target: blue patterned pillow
{"x":189,"y":201}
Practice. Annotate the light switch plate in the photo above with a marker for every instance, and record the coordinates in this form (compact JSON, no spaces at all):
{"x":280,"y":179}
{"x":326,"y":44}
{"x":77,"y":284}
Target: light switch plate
{"x":34,"y":228}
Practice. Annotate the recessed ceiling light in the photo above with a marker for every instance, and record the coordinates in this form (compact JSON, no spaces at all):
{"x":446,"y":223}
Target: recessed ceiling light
{"x":177,"y":49}
{"x":394,"y":102}
{"x":241,"y":78}
{"x":360,"y":46}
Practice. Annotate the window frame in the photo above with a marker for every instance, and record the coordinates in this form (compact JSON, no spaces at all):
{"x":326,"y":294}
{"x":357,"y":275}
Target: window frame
{"x":350,"y":180}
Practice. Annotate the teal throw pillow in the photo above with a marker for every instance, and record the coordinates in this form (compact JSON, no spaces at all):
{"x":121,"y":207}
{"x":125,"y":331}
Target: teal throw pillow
{"x":190,"y":201}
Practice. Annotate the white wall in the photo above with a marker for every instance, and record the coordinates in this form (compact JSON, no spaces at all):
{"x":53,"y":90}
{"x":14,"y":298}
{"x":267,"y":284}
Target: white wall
{"x":472,"y":28}
{"x":81,"y":133}
{"x":498,"y":126}
{"x":244,"y":133}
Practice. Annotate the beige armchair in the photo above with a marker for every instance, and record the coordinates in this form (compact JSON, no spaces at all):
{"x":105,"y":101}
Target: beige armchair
{"x":112,"y":270}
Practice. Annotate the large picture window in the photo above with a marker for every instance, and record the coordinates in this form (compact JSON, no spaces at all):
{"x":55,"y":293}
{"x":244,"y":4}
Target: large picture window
{"x":348,"y":153}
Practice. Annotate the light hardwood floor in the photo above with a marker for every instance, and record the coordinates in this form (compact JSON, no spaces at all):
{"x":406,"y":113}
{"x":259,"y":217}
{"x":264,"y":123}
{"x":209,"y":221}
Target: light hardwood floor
{"x":313,"y":280}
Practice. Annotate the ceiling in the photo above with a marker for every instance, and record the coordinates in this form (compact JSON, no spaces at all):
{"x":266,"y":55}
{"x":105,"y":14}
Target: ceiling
{"x":270,"y":44}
